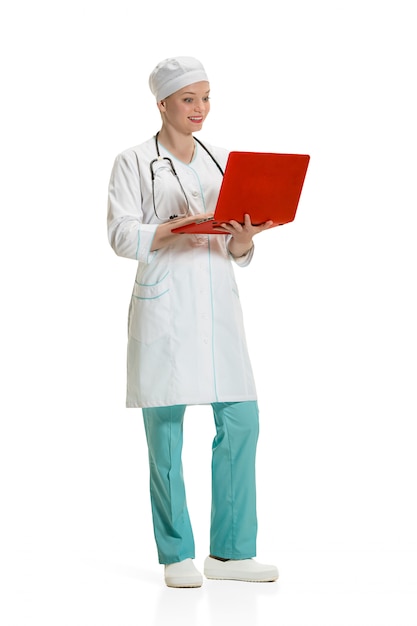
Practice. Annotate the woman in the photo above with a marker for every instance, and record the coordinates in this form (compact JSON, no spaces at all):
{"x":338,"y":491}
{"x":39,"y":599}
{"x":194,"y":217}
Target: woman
{"x":186,"y":338}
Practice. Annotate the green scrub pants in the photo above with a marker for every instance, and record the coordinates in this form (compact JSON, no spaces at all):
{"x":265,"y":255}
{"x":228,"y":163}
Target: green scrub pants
{"x":233,"y":512}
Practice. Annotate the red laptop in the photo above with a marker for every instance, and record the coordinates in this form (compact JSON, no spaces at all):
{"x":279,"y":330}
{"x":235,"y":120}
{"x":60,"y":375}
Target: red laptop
{"x":265,"y":185}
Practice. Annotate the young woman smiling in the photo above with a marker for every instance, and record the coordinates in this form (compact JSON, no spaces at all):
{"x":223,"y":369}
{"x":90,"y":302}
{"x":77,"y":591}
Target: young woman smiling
{"x":186,"y":339}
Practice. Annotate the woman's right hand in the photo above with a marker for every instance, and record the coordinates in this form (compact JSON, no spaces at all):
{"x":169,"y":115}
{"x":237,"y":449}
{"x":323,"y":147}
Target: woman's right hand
{"x":164,"y":235}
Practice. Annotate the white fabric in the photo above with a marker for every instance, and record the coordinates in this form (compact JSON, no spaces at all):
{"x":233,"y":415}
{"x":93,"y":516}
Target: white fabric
{"x":173,"y":74}
{"x":186,"y":340}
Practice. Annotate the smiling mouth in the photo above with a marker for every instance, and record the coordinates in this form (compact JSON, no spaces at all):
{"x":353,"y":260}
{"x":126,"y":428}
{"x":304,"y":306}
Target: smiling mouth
{"x":196,"y":119}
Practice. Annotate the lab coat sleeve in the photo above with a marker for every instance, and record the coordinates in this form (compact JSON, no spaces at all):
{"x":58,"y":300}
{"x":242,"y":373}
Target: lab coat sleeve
{"x":128,"y":235}
{"x":244,"y":260}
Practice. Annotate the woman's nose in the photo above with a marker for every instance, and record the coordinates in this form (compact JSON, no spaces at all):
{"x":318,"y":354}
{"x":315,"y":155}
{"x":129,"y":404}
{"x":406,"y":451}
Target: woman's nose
{"x":199,"y":105}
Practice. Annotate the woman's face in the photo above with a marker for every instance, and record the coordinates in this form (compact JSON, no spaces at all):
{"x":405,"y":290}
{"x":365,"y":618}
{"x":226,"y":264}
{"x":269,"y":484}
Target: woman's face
{"x":187,"y":108}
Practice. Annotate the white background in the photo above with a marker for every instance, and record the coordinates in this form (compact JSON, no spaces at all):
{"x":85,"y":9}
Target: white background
{"x":329,"y":302}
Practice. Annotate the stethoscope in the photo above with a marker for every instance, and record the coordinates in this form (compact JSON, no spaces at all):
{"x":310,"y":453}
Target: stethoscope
{"x":174,"y":173}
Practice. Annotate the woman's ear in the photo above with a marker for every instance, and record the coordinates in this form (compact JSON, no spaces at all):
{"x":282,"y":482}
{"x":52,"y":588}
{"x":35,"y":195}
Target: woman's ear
{"x":162,"y":106}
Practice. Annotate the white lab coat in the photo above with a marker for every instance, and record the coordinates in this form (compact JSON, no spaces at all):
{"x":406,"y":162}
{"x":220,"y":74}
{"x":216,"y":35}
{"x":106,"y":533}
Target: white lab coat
{"x":186,"y":340}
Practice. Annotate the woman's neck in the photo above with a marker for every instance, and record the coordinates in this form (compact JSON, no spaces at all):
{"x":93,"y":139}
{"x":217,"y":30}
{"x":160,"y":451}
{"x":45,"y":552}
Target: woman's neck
{"x":181,"y":146}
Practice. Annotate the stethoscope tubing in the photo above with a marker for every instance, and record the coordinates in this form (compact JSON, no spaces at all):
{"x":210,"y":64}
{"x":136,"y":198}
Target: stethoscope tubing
{"x":161,"y":158}
{"x":200,"y":143}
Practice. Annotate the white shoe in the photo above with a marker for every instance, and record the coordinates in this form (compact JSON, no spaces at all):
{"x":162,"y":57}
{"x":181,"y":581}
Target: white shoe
{"x":247,"y":570}
{"x":183,"y":574}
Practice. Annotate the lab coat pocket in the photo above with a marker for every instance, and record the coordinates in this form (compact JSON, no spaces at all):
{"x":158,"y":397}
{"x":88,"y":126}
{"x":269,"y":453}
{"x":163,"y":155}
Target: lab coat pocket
{"x":150,"y":310}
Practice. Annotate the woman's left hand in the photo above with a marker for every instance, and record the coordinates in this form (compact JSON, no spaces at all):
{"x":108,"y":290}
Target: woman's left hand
{"x":242,"y":234}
